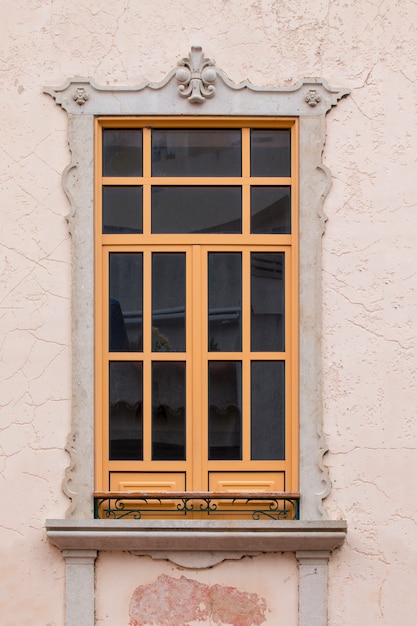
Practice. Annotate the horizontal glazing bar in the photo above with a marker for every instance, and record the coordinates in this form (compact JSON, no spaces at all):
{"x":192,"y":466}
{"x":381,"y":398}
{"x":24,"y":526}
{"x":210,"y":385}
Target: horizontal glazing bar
{"x":197,"y":180}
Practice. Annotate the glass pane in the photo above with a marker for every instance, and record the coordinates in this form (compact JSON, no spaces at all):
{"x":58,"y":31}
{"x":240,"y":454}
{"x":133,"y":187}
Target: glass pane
{"x":122,"y":152}
{"x":267,"y":302}
{"x":270,"y":210}
{"x":168,"y":411}
{"x":196,"y":209}
{"x":268,"y":410}
{"x":270,"y":152}
{"x":225,"y":410}
{"x":196,"y":153}
{"x":125,"y":411}
{"x":225,"y":288}
{"x":125,"y":308}
{"x":168,"y":302}
{"x":122,"y":210}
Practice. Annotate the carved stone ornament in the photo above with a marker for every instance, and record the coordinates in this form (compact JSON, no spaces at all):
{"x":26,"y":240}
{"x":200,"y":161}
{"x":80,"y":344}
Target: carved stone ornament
{"x":80,"y":96}
{"x":194,"y":81}
{"x":312,"y":97}
{"x":196,"y":76}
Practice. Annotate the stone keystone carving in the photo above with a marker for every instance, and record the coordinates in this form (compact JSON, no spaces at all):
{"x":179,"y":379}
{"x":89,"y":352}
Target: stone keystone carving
{"x":196,"y":76}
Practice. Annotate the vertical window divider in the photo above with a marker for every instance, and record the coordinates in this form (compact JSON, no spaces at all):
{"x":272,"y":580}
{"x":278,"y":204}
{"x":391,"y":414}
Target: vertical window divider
{"x":246,"y":361}
{"x":189,"y":361}
{"x":147,"y":354}
{"x":246,"y":181}
{"x":289,"y":400}
{"x":147,"y":173}
{"x":199,"y":409}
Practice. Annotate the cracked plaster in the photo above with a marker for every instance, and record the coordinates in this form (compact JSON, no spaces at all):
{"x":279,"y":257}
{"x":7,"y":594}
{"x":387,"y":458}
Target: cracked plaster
{"x":369,"y":371}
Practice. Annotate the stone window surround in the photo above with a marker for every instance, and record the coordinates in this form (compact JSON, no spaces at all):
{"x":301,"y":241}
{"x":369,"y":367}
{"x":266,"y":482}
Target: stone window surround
{"x":196,"y":87}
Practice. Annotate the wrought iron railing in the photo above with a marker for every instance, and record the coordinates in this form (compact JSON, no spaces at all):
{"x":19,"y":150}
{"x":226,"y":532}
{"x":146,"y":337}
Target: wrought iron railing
{"x":151,"y":505}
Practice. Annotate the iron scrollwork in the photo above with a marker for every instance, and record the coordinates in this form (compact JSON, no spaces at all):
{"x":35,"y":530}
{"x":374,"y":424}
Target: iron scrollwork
{"x":257,"y":506}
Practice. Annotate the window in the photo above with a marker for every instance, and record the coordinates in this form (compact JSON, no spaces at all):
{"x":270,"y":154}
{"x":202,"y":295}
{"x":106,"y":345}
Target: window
{"x":196,"y":304}
{"x":200,"y":94}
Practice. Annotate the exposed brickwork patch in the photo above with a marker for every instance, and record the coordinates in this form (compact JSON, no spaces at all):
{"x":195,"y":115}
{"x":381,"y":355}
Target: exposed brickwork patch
{"x":173,"y":602}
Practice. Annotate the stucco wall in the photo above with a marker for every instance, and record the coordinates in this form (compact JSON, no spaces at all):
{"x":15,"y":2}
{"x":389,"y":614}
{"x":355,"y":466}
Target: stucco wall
{"x":254,"y":591}
{"x":369,"y":302}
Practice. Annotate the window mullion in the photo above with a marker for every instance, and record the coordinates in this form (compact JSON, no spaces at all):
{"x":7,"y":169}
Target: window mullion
{"x":198,"y":413}
{"x":147,"y":154}
{"x":147,"y":354}
{"x":245,"y":177}
{"x":246,"y":381}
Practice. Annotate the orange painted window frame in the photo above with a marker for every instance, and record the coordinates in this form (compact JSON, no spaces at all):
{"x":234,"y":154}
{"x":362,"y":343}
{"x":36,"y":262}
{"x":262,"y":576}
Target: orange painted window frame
{"x":245,"y":474}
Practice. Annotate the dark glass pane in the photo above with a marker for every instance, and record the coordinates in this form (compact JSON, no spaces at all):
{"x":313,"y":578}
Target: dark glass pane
{"x":125,"y":411}
{"x":168,"y":302}
{"x":125,"y":309}
{"x":168,"y":411}
{"x":270,"y":210}
{"x":268,"y":410}
{"x":225,"y":410}
{"x":224,"y":293}
{"x":270,"y":152}
{"x":196,"y":209}
{"x":122,"y":152}
{"x":267,"y":302}
{"x":196,"y":153}
{"x":122,"y":210}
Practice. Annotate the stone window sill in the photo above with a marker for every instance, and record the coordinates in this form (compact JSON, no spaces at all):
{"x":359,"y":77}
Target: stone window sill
{"x":152,"y":536}
{"x":196,"y":544}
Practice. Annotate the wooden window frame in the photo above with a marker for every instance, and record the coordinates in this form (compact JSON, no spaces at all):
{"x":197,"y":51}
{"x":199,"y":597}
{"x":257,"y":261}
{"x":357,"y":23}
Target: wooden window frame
{"x":200,"y":473}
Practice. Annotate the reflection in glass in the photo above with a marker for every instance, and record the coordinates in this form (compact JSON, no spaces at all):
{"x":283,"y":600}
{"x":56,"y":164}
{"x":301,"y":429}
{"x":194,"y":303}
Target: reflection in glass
{"x":125,"y":307}
{"x":225,"y":410}
{"x":168,"y":302}
{"x":224,"y":291}
{"x":122,"y":210}
{"x":125,"y":411}
{"x":267,"y":302}
{"x":168,"y":411}
{"x":196,"y":209}
{"x":196,"y":153}
{"x":270,"y":210}
{"x":122,"y":152}
{"x":270,"y":152}
{"x":268,"y":410}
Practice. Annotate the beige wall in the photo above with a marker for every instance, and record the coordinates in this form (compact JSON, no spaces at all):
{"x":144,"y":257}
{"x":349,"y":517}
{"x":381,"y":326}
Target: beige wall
{"x":369,"y":301}
{"x":255,"y":591}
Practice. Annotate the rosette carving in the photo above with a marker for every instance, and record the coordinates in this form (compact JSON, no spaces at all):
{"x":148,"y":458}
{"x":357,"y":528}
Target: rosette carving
{"x":80,"y":96}
{"x":312,"y":97}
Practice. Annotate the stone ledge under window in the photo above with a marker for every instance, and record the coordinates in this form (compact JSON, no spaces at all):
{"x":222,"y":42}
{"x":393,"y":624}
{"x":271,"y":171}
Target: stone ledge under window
{"x":196,"y":544}
{"x":153,"y":536}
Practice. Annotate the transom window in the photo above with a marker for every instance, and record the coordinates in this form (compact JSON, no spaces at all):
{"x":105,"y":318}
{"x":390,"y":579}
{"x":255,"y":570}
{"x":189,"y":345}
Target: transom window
{"x":196,"y":304}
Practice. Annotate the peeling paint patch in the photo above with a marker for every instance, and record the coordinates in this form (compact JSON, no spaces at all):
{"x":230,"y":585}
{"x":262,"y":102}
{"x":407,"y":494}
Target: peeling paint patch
{"x":171,"y":601}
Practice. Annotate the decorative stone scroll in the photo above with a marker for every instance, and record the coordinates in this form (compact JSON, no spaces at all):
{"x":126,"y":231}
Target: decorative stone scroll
{"x":196,"y":76}
{"x":196,"y":81}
